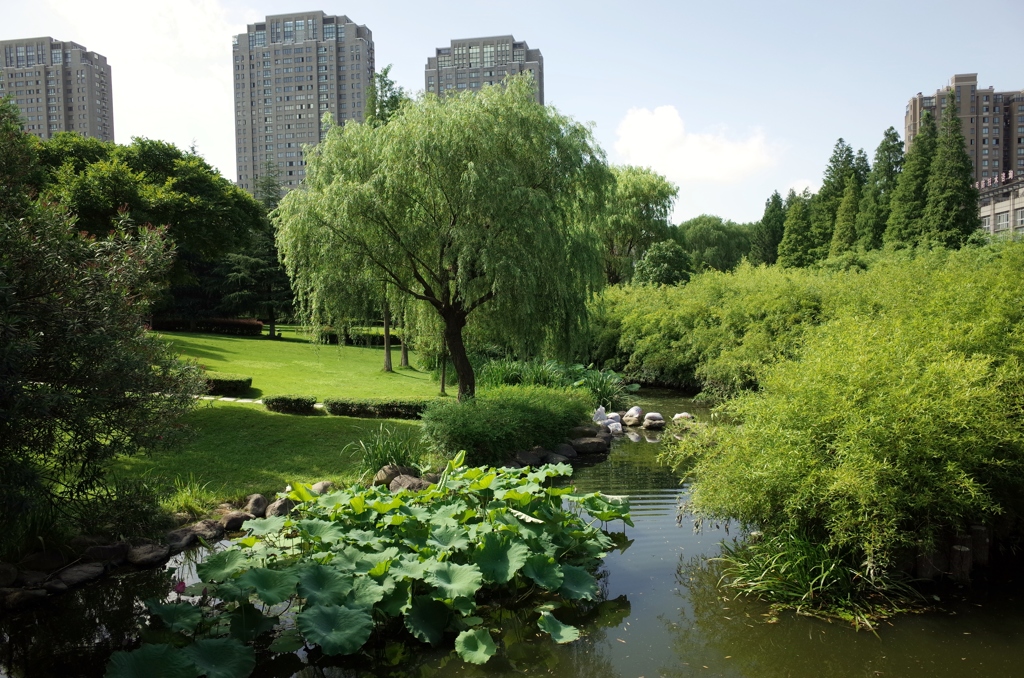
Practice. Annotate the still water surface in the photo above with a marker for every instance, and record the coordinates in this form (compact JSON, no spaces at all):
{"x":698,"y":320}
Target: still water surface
{"x":663,"y":615}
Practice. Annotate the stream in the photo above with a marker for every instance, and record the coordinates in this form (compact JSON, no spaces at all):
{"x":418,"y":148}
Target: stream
{"x":662,"y":615}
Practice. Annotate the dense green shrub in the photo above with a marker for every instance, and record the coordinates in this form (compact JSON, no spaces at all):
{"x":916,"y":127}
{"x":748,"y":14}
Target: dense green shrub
{"x":290,"y":404}
{"x":377,"y":408}
{"x":226,"y":384}
{"x":894,"y":426}
{"x":244,"y":327}
{"x":385,"y":446}
{"x":502,"y":420}
{"x":606,"y":388}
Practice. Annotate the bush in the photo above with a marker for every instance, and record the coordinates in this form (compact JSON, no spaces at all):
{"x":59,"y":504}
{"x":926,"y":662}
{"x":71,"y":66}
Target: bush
{"x":503,"y":420}
{"x":605,"y":386}
{"x":225,"y":384}
{"x":386,"y":446}
{"x":377,"y":408}
{"x":290,"y":404}
{"x":245,"y":327}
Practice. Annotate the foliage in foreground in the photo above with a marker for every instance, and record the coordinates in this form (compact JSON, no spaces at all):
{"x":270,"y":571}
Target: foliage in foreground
{"x":897,"y":423}
{"x":356,"y":567}
{"x":500,"y":421}
{"x":607,"y":388}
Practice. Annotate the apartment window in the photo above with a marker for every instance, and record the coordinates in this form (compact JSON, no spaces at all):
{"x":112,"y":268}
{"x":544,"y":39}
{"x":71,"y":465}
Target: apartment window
{"x":984,"y":163}
{"x":984,"y":130}
{"x":1002,"y":221}
{"x":488,"y":59}
{"x":329,"y":31}
{"x":1020,"y":218}
{"x":986,"y":223}
{"x":984,"y":109}
{"x":289,"y":31}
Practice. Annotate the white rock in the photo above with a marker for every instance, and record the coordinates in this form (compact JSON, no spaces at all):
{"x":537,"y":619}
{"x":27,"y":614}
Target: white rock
{"x":600,"y":415}
{"x":635,"y":411}
{"x":615,"y":427}
{"x":614,"y":416}
{"x":653,"y":416}
{"x":682,"y":415}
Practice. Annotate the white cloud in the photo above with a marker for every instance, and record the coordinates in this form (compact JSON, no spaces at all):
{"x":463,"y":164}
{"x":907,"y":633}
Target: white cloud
{"x":658,"y":139}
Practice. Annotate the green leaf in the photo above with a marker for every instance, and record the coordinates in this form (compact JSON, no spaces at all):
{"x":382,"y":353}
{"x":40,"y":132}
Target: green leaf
{"x":499,"y":558}
{"x":271,"y":586}
{"x":221,"y":566}
{"x":221,"y":657}
{"x":325,"y":530}
{"x":427,"y":619}
{"x":265,"y":526}
{"x":248,"y":623}
{"x":577,"y":583}
{"x":337,"y":630}
{"x":302,"y":493}
{"x":365,"y":592}
{"x":397,"y":601}
{"x":176,"y":616}
{"x":321,"y":585}
{"x":559,"y":632}
{"x":151,"y":661}
{"x":475,"y":646}
{"x":544,"y":570}
{"x":448,"y":538}
{"x":455,"y":580}
{"x":289,"y":641}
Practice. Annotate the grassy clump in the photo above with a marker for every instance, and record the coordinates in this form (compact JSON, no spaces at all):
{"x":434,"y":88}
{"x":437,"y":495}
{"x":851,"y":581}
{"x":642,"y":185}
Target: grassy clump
{"x":502,"y":420}
{"x":385,"y":446}
{"x":605,"y":387}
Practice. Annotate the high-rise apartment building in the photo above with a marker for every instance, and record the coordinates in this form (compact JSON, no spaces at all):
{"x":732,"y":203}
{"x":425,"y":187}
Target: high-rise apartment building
{"x":472,"y":63}
{"x":992,"y":123}
{"x":58,"y":86}
{"x":288,"y":71}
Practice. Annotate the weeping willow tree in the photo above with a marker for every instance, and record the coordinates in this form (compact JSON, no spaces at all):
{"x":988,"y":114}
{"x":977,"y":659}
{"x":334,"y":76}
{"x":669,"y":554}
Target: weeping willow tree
{"x":480,"y":205}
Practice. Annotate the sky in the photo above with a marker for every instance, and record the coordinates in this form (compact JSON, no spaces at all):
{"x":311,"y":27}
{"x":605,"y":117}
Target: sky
{"x":730,"y":100}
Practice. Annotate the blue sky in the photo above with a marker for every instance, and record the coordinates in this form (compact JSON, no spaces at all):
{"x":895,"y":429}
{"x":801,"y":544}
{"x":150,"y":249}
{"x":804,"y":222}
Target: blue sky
{"x":731,"y":100}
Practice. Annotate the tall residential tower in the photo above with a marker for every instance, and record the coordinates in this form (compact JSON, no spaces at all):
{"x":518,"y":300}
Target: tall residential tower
{"x":290,"y":70}
{"x":58,"y":86}
{"x":474,"y":62}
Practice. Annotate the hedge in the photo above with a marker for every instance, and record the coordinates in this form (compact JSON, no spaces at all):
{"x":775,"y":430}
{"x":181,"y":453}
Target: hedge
{"x":290,"y":404}
{"x":224,"y":384}
{"x":379,"y":408}
{"x":247,"y":327}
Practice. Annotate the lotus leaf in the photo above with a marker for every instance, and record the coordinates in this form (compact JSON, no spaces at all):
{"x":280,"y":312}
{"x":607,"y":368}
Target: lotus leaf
{"x":151,"y":661}
{"x":577,"y":583}
{"x":427,"y":619}
{"x":321,"y":585}
{"x":337,"y":630}
{"x":455,"y":580}
{"x":396,"y":601}
{"x":559,"y":632}
{"x":544,"y":570}
{"x":271,"y":586}
{"x":327,"y":531}
{"x":365,"y":592}
{"x":248,"y":623}
{"x":181,"y":617}
{"x":448,"y":538}
{"x":221,"y":657}
{"x":264,"y":526}
{"x":475,"y":646}
{"x":289,"y":641}
{"x":221,"y":566}
{"x":499,"y":558}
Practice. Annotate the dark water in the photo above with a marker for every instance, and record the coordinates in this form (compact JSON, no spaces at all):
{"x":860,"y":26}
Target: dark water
{"x":662,"y":615}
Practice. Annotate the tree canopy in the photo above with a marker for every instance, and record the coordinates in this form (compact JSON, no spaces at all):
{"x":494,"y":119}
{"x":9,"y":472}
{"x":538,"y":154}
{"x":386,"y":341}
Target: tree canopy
{"x":906,"y":216}
{"x":478,"y":205}
{"x":951,"y":205}
{"x":713,"y":242}
{"x":636,"y":217}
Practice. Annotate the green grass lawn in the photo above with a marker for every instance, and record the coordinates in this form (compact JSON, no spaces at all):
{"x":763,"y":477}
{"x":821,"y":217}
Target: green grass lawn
{"x":242,"y":449}
{"x":294,"y":366}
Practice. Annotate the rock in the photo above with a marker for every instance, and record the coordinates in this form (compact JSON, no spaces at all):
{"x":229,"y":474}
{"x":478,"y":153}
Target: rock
{"x":654,"y":424}
{"x":8,"y":573}
{"x":31,"y":578}
{"x":323,"y":486}
{"x":388,"y":473}
{"x":566,"y":450}
{"x":590,"y":445}
{"x":55,"y":586}
{"x":634,"y":411}
{"x":553,"y":458}
{"x":149,"y":555}
{"x":281,"y":507}
{"x":180,"y":539}
{"x":633,"y":436}
{"x":615,"y":416}
{"x":114,"y":553}
{"x":599,"y":414}
{"x":513,"y":464}
{"x":432,"y":478}
{"x":630,"y":420}
{"x":653,"y":416}
{"x":43,"y":561}
{"x":652,"y":438}
{"x":82,"y":542}
{"x":22,"y":597}
{"x":225,"y":506}
{"x":256,"y":505}
{"x":603,"y":428}
{"x":411,"y":483}
{"x":584,"y":431}
{"x":232,"y":522}
{"x":79,"y":574}
{"x":606,"y":436}
{"x":682,"y":415}
{"x":529,"y":458}
{"x":209,"y":530}
{"x":616,"y":428}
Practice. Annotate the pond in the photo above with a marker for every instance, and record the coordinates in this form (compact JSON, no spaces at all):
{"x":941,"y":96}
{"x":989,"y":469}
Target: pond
{"x":662,"y":615}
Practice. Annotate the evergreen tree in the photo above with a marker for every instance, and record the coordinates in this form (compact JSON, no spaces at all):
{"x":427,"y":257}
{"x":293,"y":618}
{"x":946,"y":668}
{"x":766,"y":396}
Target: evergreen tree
{"x":383,"y":98}
{"x":861,"y":168}
{"x":951,"y":209}
{"x":764,"y":241}
{"x":825,"y":203}
{"x":796,"y":248}
{"x":844,"y":236}
{"x":904,"y":228}
{"x":875,"y":204}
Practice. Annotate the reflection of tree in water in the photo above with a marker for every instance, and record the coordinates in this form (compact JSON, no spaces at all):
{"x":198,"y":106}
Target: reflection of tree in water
{"x":712,"y":625}
{"x":75,"y":633}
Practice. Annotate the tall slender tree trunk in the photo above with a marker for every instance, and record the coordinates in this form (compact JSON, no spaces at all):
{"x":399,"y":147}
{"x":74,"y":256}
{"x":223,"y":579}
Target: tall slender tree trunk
{"x":454,"y":322}
{"x":387,"y":333}
{"x":444,"y":363}
{"x":273,"y":321}
{"x":404,"y":360}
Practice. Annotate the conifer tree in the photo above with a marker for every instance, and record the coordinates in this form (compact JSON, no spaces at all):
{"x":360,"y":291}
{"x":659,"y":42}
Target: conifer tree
{"x":767,"y":234}
{"x":875,"y":204}
{"x":844,"y":236}
{"x":951,"y":209}
{"x":797,"y":244}
{"x":905,"y":225}
{"x":825,"y":203}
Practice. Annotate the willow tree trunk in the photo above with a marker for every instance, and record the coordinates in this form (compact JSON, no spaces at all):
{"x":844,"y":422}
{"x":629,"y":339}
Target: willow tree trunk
{"x":444,"y":364}
{"x":404,"y":360}
{"x":387,"y":334}
{"x":453,"y":324}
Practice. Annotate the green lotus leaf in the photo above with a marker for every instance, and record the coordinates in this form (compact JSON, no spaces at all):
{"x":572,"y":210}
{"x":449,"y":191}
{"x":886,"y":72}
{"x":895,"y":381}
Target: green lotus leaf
{"x":321,"y":585}
{"x":454,"y":580}
{"x":325,"y":530}
{"x":181,"y":617}
{"x":302,"y":493}
{"x":448,"y":538}
{"x":334,"y":499}
{"x":337,"y":630}
{"x":365,"y":593}
{"x":221,"y":566}
{"x":289,"y":641}
{"x":396,"y":601}
{"x":577,"y":583}
{"x":230,"y":592}
{"x":559,"y":632}
{"x":499,"y":558}
{"x":363,"y":537}
{"x":221,"y":657}
{"x":383,"y":506}
{"x":151,"y":661}
{"x":248,"y":623}
{"x":348,"y":558}
{"x":271,"y":586}
{"x":420,"y":513}
{"x":544,"y":570}
{"x":264,"y":526}
{"x":408,"y":568}
{"x":475,"y":646}
{"x":427,"y":619}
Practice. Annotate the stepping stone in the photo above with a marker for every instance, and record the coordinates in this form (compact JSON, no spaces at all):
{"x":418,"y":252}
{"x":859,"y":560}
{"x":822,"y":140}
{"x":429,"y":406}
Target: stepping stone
{"x":228,"y":400}
{"x":245,"y":400}
{"x":257,"y":402}
{"x":207,"y":397}
{"x":318,"y":406}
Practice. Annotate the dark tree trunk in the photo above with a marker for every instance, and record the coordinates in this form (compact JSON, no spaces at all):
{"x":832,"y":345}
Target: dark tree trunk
{"x":404,"y":360}
{"x":387,"y":334}
{"x":444,"y":364}
{"x":273,"y":321}
{"x":453,"y":325}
